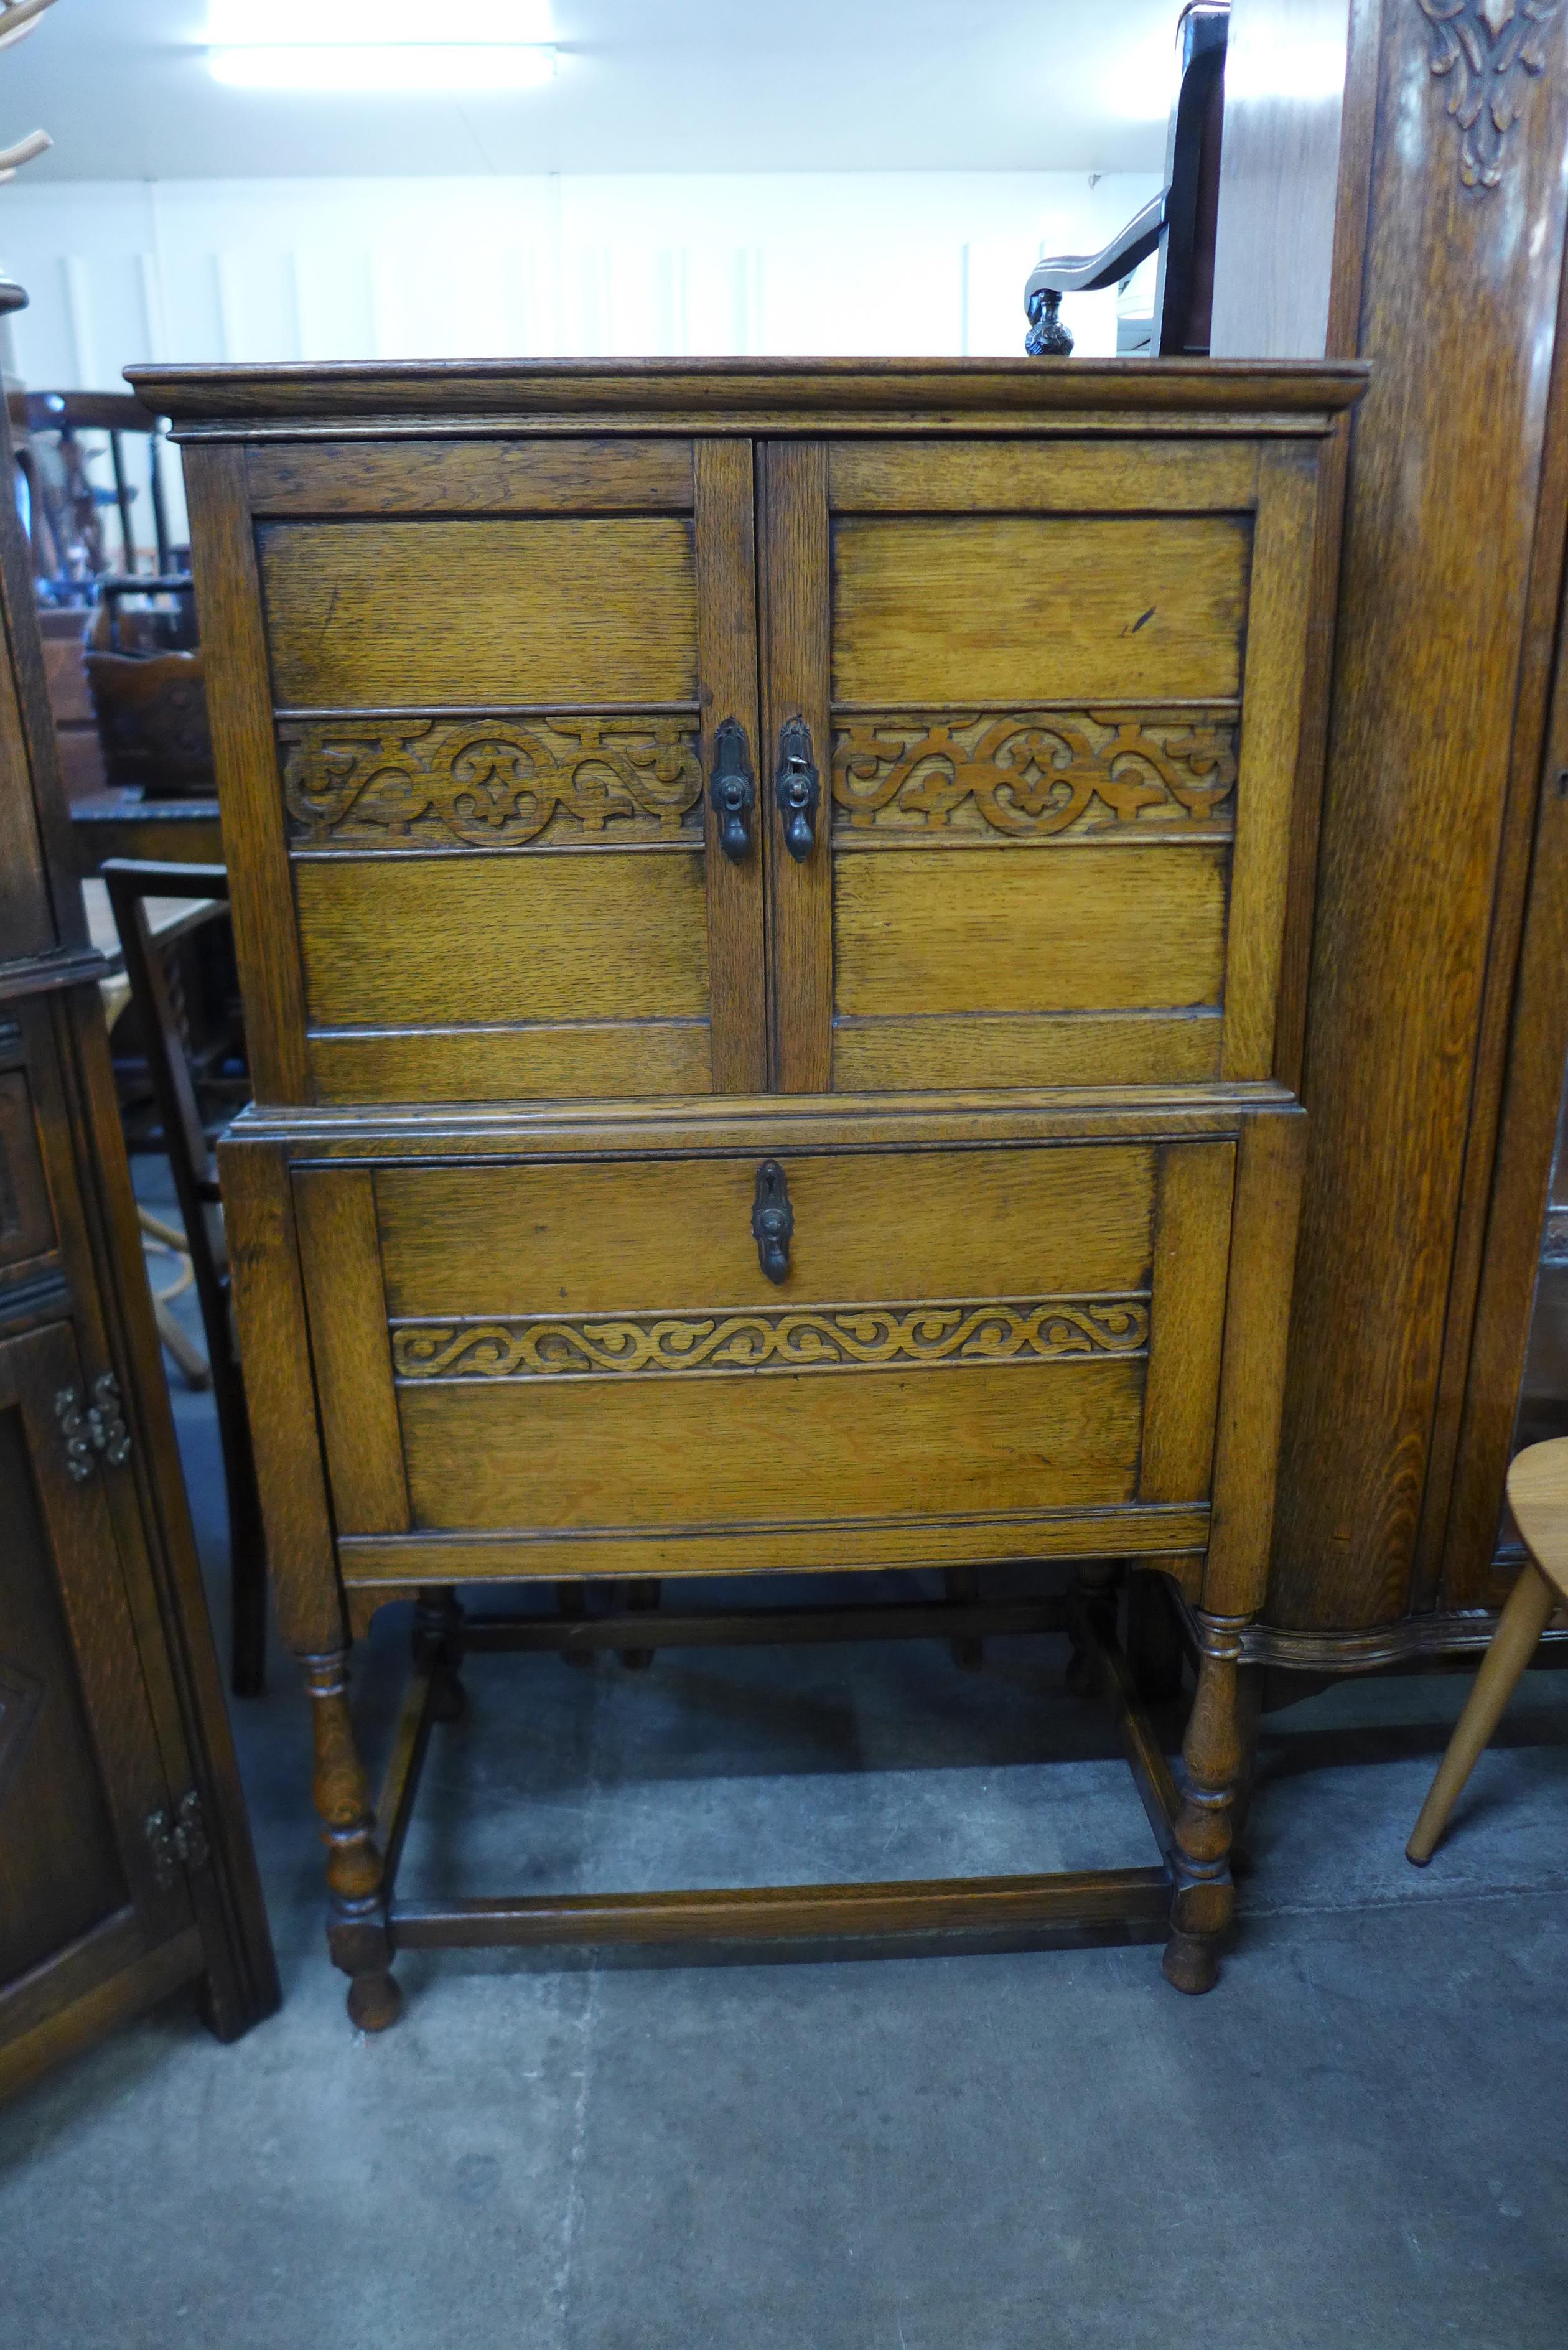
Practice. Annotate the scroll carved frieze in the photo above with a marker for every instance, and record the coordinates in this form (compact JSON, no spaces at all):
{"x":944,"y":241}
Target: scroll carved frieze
{"x":1031,"y":773}
{"x":830,"y":1338}
{"x":1487,"y":51}
{"x":490,"y":782}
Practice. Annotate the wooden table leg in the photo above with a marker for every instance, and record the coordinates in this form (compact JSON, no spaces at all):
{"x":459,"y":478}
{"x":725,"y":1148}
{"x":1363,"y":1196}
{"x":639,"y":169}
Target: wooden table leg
{"x":1091,"y":1608}
{"x":437,"y":1643}
{"x":1204,"y":1901}
{"x":357,"y":1929}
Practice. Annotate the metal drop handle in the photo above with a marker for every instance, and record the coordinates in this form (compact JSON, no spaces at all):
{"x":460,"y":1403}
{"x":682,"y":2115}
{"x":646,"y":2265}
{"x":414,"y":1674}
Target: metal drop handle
{"x":798,"y":789}
{"x":773,"y":1220}
{"x":732,"y":790}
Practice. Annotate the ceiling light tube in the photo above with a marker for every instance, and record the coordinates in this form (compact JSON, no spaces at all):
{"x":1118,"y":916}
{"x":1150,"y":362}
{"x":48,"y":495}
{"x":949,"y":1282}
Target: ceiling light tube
{"x":413,"y":68}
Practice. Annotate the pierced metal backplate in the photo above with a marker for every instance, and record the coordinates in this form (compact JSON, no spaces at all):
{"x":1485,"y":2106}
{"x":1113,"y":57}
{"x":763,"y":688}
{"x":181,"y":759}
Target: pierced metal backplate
{"x":177,"y":1841}
{"x":97,"y":1430}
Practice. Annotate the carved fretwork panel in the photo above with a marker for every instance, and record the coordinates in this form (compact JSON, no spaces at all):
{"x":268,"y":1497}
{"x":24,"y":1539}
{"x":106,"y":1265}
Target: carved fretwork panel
{"x":1032,"y":774}
{"x":1487,"y":51}
{"x":831,"y":1337}
{"x":489,"y":782}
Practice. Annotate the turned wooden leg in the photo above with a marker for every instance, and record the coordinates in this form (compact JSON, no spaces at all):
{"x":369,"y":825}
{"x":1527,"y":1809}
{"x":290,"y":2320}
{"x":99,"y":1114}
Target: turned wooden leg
{"x":1524,"y":1619}
{"x":438,"y":1642}
{"x":962,"y":1587}
{"x":642,"y":1597}
{"x":1204,"y":1899}
{"x":572,"y":1605}
{"x":357,"y":1932}
{"x":1091,"y":1606}
{"x":1156,"y":1651}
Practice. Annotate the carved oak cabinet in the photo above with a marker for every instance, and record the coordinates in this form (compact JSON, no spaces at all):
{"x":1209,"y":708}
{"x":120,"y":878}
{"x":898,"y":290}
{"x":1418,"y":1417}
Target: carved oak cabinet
{"x":759,"y":893}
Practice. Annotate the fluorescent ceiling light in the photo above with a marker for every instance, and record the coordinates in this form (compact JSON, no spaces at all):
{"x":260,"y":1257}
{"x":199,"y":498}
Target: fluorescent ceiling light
{"x":417,"y":67}
{"x":414,"y":45}
{"x":332,"y":24}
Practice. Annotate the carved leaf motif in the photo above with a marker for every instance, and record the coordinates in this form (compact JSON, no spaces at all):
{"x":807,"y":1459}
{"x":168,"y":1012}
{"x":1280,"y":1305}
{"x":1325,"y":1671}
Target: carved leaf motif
{"x":1031,"y":773}
{"x":490,"y":783}
{"x":1489,"y":48}
{"x":820,"y":1338}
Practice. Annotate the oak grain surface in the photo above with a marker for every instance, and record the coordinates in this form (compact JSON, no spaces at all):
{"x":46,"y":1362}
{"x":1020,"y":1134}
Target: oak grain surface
{"x":592,"y":1237}
{"x":385,"y":614}
{"x":1009,"y":608}
{"x":1091,"y":930}
{"x":456,"y":941}
{"x":706,"y":1450}
{"x":487,"y":477}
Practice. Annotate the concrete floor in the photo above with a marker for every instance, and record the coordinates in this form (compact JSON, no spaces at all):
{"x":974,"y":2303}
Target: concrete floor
{"x":1357,"y":2139}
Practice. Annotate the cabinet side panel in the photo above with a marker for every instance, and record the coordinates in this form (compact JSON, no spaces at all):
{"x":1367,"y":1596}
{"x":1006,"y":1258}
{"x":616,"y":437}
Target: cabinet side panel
{"x":1251,"y":1391}
{"x":239,"y":701}
{"x":1187,"y":1319}
{"x":274,"y":1350}
{"x":340,"y":1258}
{"x":1270,"y":738}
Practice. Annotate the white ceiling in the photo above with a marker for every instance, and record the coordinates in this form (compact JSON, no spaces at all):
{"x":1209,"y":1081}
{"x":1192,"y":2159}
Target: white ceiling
{"x":642,"y":86}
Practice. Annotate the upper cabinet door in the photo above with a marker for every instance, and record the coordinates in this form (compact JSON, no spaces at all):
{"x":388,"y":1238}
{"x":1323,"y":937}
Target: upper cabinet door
{"x":469,"y":699}
{"x":1032,"y":711}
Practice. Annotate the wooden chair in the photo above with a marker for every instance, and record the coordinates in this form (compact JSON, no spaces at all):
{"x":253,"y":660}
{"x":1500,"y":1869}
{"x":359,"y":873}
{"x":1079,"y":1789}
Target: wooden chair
{"x":131,"y":883}
{"x":1538,"y":1497}
{"x":63,"y":505}
{"x":1181,"y":223}
{"x":144,"y":673}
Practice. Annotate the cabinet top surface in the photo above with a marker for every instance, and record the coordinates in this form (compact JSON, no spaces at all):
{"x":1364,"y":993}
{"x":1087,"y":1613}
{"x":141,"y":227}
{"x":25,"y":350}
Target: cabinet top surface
{"x":748,"y":394}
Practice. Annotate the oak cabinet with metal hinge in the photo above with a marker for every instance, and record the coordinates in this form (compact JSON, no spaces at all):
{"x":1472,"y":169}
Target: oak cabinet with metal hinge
{"x":758,"y":894}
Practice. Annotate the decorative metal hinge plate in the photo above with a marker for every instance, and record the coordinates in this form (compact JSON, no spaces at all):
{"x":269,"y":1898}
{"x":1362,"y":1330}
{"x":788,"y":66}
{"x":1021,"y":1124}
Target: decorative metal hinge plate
{"x":178,"y":1840}
{"x":100,"y":1428}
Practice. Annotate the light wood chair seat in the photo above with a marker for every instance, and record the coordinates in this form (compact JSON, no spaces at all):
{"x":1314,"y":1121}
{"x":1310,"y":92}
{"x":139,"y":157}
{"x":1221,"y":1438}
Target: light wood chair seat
{"x":1538,"y":1497}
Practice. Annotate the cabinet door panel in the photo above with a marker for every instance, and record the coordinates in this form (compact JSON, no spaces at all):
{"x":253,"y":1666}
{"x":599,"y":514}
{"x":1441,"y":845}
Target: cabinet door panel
{"x":495,"y":680}
{"x":74,"y":1718}
{"x":1057,"y":749}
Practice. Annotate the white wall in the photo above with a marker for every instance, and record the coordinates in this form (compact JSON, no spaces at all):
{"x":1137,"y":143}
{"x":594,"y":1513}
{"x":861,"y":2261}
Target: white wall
{"x":120,"y":271}
{"x":322,"y":269}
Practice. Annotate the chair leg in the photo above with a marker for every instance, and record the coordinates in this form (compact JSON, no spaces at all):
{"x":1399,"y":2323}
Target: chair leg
{"x":1523,"y":1620}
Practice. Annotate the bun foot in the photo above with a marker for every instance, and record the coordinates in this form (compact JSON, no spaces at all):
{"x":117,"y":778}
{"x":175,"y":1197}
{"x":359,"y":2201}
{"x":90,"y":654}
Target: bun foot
{"x":1190,"y":1963}
{"x":375,"y":2003}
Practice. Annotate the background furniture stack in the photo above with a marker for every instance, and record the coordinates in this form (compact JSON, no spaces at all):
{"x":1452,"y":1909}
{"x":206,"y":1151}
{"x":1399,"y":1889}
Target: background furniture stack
{"x":125,"y":1860}
{"x":759,"y":893}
